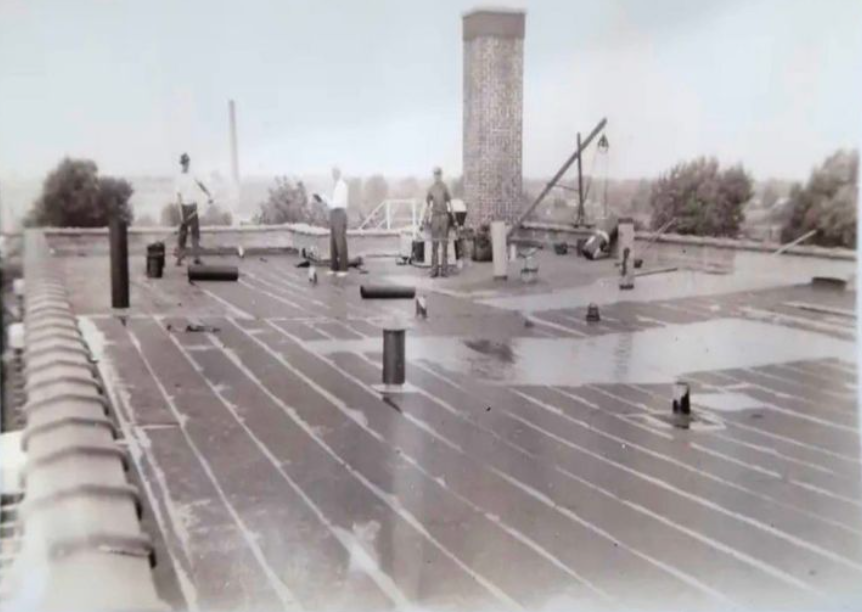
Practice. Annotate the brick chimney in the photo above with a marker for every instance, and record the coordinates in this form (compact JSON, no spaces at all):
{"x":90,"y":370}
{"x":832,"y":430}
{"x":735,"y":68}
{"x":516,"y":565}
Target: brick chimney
{"x":493,"y":113}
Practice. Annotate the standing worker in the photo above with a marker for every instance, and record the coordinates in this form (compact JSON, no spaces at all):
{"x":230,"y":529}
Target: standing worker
{"x":188,"y":190}
{"x":337,"y":224}
{"x":439,"y":209}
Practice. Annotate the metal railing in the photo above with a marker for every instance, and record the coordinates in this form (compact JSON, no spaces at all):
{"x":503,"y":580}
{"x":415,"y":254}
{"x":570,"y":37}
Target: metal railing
{"x":80,"y":517}
{"x":393,"y":214}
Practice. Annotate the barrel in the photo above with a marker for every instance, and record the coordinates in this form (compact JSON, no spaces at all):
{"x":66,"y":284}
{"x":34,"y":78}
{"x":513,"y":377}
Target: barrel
{"x":155,"y":259}
{"x":418,"y":250}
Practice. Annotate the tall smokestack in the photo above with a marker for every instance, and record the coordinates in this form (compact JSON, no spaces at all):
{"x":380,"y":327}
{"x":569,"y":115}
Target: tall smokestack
{"x":234,"y":150}
{"x":493,"y":103}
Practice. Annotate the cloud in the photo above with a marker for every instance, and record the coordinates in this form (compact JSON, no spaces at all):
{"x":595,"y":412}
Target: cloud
{"x":771,"y":83}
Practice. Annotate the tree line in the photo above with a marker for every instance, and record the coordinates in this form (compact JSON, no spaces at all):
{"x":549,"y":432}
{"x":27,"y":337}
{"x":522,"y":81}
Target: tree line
{"x":700,"y":196}
{"x":705,"y":200}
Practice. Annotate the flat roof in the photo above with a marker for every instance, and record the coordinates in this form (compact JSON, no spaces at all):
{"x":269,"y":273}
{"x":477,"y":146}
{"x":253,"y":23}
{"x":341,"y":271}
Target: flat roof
{"x":532,"y":459}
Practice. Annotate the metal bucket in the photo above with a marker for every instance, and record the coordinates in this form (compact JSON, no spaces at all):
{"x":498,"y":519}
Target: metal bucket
{"x":155,"y":260}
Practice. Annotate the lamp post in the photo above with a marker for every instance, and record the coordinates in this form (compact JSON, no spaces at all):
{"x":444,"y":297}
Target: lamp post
{"x":602,"y":147}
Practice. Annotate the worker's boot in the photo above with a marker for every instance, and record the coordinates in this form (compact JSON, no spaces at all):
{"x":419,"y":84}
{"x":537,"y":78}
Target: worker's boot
{"x":434,"y":273}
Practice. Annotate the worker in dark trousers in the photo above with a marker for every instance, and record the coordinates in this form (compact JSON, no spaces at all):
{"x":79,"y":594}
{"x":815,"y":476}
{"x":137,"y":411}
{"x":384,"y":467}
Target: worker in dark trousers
{"x":188,"y":190}
{"x":438,"y":211}
{"x":337,"y":205}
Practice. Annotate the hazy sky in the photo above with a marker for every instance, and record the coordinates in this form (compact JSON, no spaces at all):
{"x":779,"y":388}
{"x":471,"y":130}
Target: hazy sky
{"x":376,"y":85}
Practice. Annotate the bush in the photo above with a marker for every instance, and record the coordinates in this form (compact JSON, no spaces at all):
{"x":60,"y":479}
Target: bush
{"x":74,"y":195}
{"x":289,"y":203}
{"x":703,"y":199}
{"x":827,"y":203}
{"x":213,"y":215}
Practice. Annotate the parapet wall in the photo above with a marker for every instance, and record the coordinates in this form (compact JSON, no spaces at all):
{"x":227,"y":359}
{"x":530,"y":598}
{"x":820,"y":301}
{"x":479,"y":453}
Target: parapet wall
{"x":252,"y":238}
{"x":294,"y":237}
{"x":550,"y":233}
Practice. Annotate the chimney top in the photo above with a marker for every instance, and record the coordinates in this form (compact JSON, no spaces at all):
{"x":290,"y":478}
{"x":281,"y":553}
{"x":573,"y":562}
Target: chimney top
{"x":497,"y":23}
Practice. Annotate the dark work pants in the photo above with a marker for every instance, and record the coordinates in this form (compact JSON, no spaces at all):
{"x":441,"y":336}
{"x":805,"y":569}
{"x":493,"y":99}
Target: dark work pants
{"x":191,"y":222}
{"x":439,"y":240}
{"x":338,"y":239}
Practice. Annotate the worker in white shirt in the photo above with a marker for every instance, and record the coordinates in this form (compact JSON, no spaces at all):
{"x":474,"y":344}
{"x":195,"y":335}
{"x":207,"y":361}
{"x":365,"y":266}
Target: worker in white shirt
{"x":337,"y":205}
{"x":189,"y":190}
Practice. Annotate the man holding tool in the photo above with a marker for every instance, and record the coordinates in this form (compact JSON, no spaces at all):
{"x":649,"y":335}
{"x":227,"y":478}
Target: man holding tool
{"x":337,"y":204}
{"x":188,"y":190}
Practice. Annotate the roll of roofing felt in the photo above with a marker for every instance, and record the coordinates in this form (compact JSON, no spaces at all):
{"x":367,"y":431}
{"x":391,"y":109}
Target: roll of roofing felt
{"x":386,"y":292}
{"x":201,"y":272}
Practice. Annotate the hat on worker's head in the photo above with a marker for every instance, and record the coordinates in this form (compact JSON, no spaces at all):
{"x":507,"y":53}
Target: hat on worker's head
{"x":438,"y":171}
{"x":184,"y":158}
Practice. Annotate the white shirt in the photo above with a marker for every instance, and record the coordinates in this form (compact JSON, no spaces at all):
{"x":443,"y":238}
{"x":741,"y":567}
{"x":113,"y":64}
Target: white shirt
{"x":339,"y":195}
{"x":187,"y":189}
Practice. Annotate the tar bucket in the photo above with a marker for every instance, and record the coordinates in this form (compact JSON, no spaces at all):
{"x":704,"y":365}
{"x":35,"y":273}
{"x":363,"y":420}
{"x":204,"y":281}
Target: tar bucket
{"x":155,"y":259}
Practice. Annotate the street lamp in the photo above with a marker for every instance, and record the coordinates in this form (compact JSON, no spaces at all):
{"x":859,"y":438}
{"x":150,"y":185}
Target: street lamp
{"x":602,"y":147}
{"x":603,"y":144}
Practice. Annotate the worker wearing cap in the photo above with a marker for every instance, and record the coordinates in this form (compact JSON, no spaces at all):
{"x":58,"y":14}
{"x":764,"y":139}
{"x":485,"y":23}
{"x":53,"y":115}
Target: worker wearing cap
{"x":189,"y":190}
{"x":437,"y":213}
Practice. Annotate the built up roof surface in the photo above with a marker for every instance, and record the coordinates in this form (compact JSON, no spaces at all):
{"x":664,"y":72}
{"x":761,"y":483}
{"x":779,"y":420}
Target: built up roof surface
{"x":530,"y":462}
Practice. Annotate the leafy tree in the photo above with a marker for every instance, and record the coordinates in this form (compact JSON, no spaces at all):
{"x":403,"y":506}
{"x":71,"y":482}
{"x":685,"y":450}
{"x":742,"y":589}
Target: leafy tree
{"x":374,"y":191}
{"x":213,"y":215}
{"x":74,"y":195}
{"x":703,"y":199}
{"x":769,"y":197}
{"x":289,"y":203}
{"x":408,"y":188}
{"x":170,"y":215}
{"x":827,"y":203}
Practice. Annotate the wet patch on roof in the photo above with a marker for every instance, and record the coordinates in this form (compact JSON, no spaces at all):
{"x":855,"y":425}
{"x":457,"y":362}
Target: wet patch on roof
{"x":666,"y":286}
{"x":657,"y":355}
{"x":728,"y":402}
